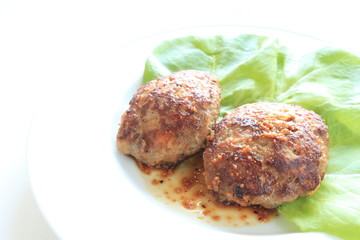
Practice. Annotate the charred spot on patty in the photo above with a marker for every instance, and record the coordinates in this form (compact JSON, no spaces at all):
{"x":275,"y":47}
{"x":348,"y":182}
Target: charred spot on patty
{"x":238,"y":192}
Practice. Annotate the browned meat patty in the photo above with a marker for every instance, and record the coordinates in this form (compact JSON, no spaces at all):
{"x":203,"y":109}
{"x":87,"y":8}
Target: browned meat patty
{"x":266,"y":154}
{"x":170,"y":118}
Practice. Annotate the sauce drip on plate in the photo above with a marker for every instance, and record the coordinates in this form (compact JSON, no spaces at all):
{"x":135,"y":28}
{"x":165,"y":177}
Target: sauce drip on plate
{"x":184,"y":189}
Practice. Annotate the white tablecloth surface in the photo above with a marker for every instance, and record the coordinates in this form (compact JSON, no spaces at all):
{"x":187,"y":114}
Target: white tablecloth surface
{"x":41,"y":41}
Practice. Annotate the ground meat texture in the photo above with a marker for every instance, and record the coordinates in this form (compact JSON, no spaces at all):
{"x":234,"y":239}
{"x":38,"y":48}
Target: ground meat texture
{"x":170,"y":118}
{"x":266,"y":154}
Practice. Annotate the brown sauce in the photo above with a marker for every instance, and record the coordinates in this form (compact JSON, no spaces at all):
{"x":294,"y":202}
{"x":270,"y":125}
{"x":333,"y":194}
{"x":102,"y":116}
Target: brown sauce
{"x":184,"y":189}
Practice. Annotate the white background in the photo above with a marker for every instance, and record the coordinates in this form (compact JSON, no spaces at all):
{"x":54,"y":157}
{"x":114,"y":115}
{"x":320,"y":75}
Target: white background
{"x":45,"y":45}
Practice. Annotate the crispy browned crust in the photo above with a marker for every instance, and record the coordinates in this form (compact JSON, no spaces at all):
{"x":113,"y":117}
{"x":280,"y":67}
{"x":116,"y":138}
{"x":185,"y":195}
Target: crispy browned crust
{"x":267,"y":154}
{"x":170,"y":118}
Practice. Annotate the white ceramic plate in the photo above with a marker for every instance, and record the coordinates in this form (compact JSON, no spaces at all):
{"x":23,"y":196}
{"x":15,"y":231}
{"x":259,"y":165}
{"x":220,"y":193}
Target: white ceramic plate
{"x":84,"y":187}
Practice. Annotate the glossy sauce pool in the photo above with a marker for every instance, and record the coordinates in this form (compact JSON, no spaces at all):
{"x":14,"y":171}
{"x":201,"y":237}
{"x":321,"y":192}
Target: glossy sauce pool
{"x":183,"y":189}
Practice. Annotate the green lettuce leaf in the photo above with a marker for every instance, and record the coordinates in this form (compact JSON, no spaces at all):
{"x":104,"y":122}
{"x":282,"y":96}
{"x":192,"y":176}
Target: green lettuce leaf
{"x":255,"y":68}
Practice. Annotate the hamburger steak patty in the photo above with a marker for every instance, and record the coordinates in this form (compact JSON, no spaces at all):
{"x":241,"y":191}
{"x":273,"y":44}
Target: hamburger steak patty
{"x":266,"y":154}
{"x":170,"y":118}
